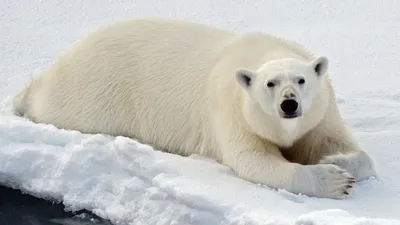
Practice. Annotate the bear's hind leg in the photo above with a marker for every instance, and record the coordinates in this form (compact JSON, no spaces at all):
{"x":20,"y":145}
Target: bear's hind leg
{"x":20,"y":101}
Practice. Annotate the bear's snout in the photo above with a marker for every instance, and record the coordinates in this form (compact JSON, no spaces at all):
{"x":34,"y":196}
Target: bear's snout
{"x":288,"y":93}
{"x":289,"y":108}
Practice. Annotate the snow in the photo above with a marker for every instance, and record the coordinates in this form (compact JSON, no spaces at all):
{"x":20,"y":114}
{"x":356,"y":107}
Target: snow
{"x":131,"y":183}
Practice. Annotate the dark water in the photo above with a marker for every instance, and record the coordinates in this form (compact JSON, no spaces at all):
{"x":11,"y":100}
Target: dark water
{"x":17,"y":208}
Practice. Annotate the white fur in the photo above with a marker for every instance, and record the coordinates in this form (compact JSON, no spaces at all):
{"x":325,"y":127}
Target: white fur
{"x":181,"y":87}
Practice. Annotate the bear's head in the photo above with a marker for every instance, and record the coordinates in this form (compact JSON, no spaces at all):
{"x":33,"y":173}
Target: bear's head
{"x":284,"y":87}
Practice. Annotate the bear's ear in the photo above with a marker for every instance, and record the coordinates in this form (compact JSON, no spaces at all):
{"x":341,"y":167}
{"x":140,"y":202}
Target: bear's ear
{"x":245,"y":78}
{"x":320,"y":65}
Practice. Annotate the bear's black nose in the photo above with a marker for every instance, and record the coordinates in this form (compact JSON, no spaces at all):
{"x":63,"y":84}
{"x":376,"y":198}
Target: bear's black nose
{"x":289,"y":106}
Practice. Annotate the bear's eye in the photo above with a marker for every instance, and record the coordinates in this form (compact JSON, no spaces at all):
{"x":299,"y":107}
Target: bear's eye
{"x":302,"y":81}
{"x":270,"y":84}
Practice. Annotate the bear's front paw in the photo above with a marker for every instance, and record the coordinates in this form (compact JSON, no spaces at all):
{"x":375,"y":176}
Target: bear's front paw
{"x":339,"y":160}
{"x":330,"y":181}
{"x":359,"y":164}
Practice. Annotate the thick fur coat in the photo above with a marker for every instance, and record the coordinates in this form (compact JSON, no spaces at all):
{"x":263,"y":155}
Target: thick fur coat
{"x":189,"y":88}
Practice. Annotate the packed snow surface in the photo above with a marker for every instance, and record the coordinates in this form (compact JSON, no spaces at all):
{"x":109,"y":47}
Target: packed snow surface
{"x":131,"y":183}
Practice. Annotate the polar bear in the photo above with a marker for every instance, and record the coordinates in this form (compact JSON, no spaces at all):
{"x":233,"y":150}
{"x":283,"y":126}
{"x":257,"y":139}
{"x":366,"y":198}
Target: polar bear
{"x":257,"y":103}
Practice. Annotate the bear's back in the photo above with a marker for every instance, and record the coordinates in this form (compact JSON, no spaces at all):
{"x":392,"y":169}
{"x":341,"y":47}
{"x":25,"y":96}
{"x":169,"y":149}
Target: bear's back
{"x":141,"y":78}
